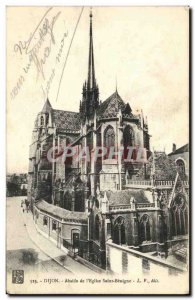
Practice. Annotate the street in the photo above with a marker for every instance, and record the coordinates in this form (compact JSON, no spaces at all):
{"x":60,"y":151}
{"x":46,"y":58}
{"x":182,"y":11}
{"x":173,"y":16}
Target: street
{"x":28,"y":250}
{"x":19,"y":244}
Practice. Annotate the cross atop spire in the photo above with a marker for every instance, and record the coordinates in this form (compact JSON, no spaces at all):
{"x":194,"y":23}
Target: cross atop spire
{"x":116,"y":85}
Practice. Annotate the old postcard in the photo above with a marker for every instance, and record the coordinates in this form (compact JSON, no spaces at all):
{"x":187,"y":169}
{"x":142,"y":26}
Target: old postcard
{"x":97,"y":150}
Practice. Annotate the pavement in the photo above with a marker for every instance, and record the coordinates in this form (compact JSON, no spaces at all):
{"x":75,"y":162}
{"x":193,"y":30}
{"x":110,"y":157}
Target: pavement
{"x":22,"y":236}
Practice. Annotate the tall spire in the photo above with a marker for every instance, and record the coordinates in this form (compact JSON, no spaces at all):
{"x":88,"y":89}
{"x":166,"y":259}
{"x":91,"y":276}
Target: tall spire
{"x":90,"y":100}
{"x":91,"y":68}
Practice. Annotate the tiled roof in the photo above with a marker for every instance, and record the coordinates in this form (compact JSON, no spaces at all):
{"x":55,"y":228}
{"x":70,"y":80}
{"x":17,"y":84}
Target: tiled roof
{"x":67,"y":120}
{"x":60,"y":212}
{"x":110,"y":107}
{"x":123,"y":197}
{"x":165,"y":168}
{"x":180,"y":150}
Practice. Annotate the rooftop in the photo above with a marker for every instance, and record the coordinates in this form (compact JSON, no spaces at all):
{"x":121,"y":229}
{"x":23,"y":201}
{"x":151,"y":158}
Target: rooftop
{"x":60,"y":212}
{"x":66,"y":120}
{"x":123,"y":197}
{"x":165,"y":168}
{"x":180,"y":150}
{"x":47,"y":107}
{"x":110,"y":107}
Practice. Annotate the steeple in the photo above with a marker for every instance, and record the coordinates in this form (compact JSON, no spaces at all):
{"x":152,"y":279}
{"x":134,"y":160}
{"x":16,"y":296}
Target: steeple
{"x":91,"y":69}
{"x":90,"y":92}
{"x":47,"y":106}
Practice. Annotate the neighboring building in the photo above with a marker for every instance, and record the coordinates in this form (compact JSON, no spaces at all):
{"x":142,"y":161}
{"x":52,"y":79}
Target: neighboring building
{"x":55,"y":223}
{"x":89,"y":205}
{"x":16,"y":185}
{"x":181,"y":157}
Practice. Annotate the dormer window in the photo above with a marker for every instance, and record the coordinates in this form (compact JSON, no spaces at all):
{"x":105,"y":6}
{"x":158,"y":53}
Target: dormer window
{"x":42,"y":121}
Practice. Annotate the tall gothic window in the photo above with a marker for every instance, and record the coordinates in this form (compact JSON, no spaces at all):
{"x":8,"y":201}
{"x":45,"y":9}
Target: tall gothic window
{"x":67,"y":201}
{"x":79,"y":201}
{"x":128,"y":141}
{"x":42,"y":121}
{"x":145,"y":228}
{"x":68,"y":159}
{"x":119,"y":231}
{"x":47,"y":119}
{"x":179,"y":216}
{"x":109,"y":137}
{"x":128,"y":136}
{"x":97,"y":227}
{"x":180,"y":166}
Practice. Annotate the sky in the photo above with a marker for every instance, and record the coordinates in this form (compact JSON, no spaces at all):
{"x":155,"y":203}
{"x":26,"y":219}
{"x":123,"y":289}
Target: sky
{"x":144,"y":49}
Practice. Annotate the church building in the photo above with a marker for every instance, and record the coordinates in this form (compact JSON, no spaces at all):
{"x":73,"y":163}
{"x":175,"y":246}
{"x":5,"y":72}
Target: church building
{"x":81,"y":204}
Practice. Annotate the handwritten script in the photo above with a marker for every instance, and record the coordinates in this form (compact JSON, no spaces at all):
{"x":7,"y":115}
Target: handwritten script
{"x":37,"y":47}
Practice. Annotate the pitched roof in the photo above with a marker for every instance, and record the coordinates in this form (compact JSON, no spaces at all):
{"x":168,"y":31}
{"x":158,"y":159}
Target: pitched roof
{"x":60,"y":212}
{"x":124,"y":196}
{"x":47,"y":107}
{"x":165,"y":168}
{"x":110,"y":107}
{"x":180,"y":150}
{"x":67,"y":120}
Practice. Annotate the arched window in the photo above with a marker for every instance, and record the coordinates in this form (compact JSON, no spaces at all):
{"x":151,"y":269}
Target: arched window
{"x":67,"y":201}
{"x":145,"y":228}
{"x":128,"y":136}
{"x":119,"y":231}
{"x":97,"y":227}
{"x":68,"y":158}
{"x":47,"y":119}
{"x":181,"y":166}
{"x":45,"y":221}
{"x":42,"y":121}
{"x":179,"y":216}
{"x":109,"y":137}
{"x":129,"y":141}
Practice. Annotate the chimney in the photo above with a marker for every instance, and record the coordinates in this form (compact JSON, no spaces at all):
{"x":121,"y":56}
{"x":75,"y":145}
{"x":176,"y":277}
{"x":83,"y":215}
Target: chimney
{"x":174,"y":148}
